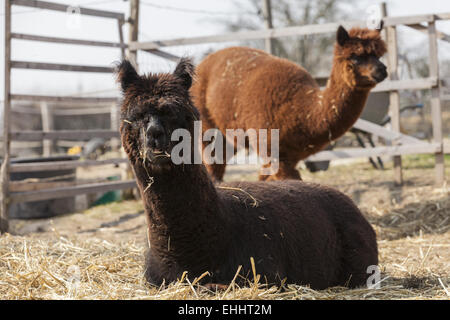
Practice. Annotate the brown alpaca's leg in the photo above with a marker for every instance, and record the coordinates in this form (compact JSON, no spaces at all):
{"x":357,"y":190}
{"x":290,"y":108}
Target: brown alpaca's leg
{"x":286,"y":171}
{"x":217,"y":170}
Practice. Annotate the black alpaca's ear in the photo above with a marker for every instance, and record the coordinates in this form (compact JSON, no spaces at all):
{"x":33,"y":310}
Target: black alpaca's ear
{"x":185,"y":71}
{"x":126,"y":74}
{"x":342,"y":36}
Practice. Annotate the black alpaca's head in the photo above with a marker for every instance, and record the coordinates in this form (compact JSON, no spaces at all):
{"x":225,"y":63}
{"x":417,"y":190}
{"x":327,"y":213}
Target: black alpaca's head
{"x":153,"y":106}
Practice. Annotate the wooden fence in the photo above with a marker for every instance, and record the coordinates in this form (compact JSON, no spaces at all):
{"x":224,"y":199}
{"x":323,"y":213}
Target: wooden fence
{"x":425,"y":23}
{"x":401,"y":144}
{"x":42,"y":191}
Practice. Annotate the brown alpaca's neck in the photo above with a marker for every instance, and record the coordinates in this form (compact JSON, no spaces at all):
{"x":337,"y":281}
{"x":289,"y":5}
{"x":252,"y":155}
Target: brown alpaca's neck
{"x":182,"y":209}
{"x":338,"y":106}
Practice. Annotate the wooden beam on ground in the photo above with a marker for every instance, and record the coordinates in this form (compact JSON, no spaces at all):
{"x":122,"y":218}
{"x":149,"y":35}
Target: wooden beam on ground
{"x":64,"y":8}
{"x":70,"y":191}
{"x":59,"y":67}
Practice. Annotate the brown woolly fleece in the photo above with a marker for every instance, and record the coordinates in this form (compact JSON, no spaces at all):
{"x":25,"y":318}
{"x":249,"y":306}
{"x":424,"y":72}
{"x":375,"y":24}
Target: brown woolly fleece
{"x":246,"y":88}
{"x":304,"y":232}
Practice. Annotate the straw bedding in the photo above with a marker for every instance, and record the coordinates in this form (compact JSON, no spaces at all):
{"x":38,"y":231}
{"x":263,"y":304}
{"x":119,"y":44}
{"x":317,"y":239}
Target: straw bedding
{"x":98,"y":254}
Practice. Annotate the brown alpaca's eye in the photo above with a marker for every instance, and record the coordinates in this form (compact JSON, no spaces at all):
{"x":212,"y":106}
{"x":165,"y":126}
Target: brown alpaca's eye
{"x":355,"y":60}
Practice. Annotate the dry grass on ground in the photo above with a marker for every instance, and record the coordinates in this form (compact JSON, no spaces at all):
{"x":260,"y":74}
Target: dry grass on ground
{"x":103,"y":247}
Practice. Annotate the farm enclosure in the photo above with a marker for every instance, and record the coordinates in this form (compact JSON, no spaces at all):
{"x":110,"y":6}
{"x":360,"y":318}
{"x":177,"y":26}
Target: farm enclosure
{"x":115,"y":233}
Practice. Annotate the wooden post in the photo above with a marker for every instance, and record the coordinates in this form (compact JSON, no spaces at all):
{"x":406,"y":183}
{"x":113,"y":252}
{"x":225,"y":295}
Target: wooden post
{"x":115,"y":142}
{"x":436,"y":110}
{"x":120,"y":23}
{"x":134,"y":29}
{"x":394,"y":97}
{"x":4,"y":170}
{"x":47,"y":125}
{"x":267,"y":12}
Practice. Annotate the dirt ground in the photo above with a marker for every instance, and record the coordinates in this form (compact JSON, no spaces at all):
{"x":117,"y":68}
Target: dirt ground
{"x":106,"y":244}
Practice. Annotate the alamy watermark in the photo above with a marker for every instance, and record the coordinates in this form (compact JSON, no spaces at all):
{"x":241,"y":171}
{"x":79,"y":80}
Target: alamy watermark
{"x":220,"y":149}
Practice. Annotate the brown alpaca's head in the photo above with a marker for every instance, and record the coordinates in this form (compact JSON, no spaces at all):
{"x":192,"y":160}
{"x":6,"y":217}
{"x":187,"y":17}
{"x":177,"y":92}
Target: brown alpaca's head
{"x":357,"y":54}
{"x":153,"y":107}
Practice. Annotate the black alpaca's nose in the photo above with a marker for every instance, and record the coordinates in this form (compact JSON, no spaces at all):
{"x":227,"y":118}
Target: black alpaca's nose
{"x":156,"y":137}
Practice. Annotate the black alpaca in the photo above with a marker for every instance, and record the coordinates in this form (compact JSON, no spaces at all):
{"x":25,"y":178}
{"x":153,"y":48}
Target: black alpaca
{"x":304,"y":232}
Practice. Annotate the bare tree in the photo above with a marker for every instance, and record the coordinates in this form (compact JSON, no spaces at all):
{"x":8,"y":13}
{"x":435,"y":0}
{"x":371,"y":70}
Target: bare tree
{"x":312,"y":52}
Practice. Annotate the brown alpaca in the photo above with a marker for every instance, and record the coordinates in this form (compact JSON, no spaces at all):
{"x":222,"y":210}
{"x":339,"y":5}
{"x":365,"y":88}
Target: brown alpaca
{"x":303,"y":232}
{"x":246,"y":88}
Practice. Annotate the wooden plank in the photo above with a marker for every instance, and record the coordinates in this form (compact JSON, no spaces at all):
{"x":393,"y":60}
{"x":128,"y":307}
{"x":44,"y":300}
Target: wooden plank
{"x":407,"y":20}
{"x":163,"y":54}
{"x":394,"y":96}
{"x":63,"y":8}
{"x":442,"y":16}
{"x":62,"y":165}
{"x":267,"y":12}
{"x":64,"y":99}
{"x":59,"y":67}
{"x":31,"y":37}
{"x":123,"y":45}
{"x":436,"y":108}
{"x":19,"y":186}
{"x":63,"y":134}
{"x":30,"y":185}
{"x":133,"y":31}
{"x":70,"y":191}
{"x":82,"y":111}
{"x":47,"y":125}
{"x":406,"y":84}
{"x":440,"y":35}
{"x":274,"y":33}
{"x":377,"y":151}
{"x":394,"y":136}
{"x":4,"y":169}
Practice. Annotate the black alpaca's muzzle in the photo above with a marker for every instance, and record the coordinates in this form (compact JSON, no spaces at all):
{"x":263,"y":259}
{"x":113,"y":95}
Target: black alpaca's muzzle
{"x":157,"y":142}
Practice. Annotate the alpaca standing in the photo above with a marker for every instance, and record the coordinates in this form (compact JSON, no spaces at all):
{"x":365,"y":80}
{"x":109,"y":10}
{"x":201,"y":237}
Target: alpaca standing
{"x":303,"y":232}
{"x":246,"y":88}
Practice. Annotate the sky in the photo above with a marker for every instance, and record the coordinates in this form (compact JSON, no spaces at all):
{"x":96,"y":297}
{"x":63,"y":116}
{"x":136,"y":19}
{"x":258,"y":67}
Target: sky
{"x":158,"y":20}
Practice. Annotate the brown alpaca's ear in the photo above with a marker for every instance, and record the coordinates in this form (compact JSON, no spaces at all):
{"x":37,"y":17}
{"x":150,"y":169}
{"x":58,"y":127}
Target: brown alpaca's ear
{"x":185,"y":71}
{"x":342,"y":36}
{"x":381,"y":25}
{"x":126,"y":75}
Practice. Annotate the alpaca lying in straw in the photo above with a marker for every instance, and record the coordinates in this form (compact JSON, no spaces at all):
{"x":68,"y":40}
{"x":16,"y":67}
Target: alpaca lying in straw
{"x":247,"y":88}
{"x":304,"y":232}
